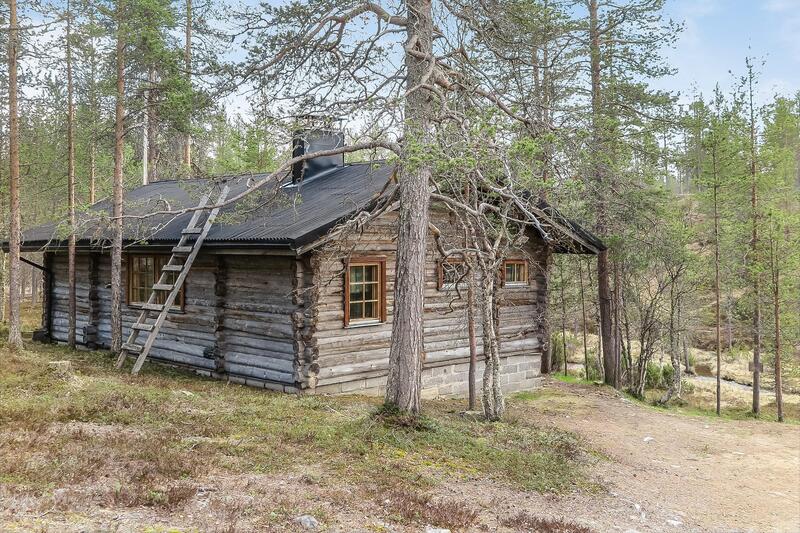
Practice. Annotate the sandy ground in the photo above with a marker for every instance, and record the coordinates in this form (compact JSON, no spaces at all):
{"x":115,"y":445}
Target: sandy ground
{"x":671,"y":472}
{"x":659,"y":471}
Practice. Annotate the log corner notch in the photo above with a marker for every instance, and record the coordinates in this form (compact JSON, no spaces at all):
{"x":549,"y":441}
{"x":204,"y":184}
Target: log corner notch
{"x":43,"y":334}
{"x":305,"y":295}
{"x":220,"y":301}
{"x":90,"y":331}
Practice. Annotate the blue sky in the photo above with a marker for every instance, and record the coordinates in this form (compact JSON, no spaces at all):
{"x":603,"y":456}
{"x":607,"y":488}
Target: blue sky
{"x":719,"y":34}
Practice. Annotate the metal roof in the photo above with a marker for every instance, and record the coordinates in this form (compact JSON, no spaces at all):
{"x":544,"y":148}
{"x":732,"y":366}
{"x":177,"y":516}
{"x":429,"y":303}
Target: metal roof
{"x":274,"y":214}
{"x":277,"y":214}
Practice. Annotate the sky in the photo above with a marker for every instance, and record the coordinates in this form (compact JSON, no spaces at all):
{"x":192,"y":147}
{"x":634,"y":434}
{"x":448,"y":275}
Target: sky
{"x":719,"y":34}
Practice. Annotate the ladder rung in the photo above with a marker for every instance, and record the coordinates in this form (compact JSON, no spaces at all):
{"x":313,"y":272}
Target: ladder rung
{"x":152,"y":307}
{"x":143,"y":327}
{"x":182,"y":250}
{"x":163,"y":286}
{"x":132,"y":348}
{"x":192,"y":231}
{"x":172,"y":268}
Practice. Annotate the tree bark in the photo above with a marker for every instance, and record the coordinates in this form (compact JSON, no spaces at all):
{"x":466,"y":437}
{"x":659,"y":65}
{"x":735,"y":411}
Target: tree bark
{"x":776,"y":305}
{"x":473,"y":342}
{"x":603,"y":283}
{"x":404,"y":385}
{"x":71,"y":273}
{"x":118,"y":188}
{"x":492,"y":399}
{"x":547,"y":351}
{"x":583,"y":316}
{"x":152,"y":128}
{"x":754,"y":250}
{"x":94,"y":111}
{"x":563,"y":317}
{"x":187,"y":144}
{"x":717,"y":317}
{"x":14,"y":330}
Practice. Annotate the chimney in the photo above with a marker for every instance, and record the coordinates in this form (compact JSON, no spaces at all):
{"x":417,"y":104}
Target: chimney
{"x":311,"y":140}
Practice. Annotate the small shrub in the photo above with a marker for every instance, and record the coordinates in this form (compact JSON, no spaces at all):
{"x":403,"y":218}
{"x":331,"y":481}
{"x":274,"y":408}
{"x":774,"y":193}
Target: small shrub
{"x":653,"y":376}
{"x":556,"y":351}
{"x":666,"y":374}
{"x":524,"y":522}
{"x":595,"y":372}
{"x":422,"y":508}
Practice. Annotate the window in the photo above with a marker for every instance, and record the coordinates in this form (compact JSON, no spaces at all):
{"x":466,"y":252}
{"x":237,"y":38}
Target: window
{"x":515,"y":272}
{"x":365,"y":292}
{"x":143,"y":272}
{"x":452,"y":272}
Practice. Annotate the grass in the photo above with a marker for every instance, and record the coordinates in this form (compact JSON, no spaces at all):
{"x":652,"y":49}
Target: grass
{"x":146,"y":440}
{"x":571,"y":379}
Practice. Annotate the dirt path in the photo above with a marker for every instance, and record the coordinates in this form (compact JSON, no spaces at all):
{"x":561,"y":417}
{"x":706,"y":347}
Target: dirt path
{"x":671,"y":472}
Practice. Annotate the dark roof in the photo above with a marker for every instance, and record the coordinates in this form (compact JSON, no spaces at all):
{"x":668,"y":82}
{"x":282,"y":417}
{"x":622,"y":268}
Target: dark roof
{"x":276,"y":215}
{"x":284,"y":214}
{"x":568,"y":236}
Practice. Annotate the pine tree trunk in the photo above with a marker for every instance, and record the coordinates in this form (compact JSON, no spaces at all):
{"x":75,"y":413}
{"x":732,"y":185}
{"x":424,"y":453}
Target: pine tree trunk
{"x":152,"y":128}
{"x":3,"y":286}
{"x":617,"y":337}
{"x":776,"y":306}
{"x":754,"y":251}
{"x":119,"y":138}
{"x":674,"y":388}
{"x":603,"y":276}
{"x":71,"y":273}
{"x":187,"y":144}
{"x":546,"y":362}
{"x":717,"y":317}
{"x":583,"y":316}
{"x":406,"y":353}
{"x":14,"y":330}
{"x":94,"y":111}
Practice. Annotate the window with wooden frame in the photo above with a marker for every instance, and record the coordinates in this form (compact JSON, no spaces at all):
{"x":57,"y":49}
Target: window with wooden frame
{"x":365,"y":291}
{"x":143,"y":272}
{"x":452,"y":272}
{"x":515,"y":272}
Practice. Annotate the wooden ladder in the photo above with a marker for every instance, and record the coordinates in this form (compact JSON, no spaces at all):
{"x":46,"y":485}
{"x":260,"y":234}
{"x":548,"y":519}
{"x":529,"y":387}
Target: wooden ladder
{"x":183,"y":255}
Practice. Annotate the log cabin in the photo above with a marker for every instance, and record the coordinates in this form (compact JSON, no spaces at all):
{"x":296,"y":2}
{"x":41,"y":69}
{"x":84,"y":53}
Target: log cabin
{"x":280,"y":297}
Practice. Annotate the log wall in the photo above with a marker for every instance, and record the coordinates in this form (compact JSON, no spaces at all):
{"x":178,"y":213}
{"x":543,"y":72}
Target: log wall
{"x":278,"y":321}
{"x":237,"y":317}
{"x":356,"y":358}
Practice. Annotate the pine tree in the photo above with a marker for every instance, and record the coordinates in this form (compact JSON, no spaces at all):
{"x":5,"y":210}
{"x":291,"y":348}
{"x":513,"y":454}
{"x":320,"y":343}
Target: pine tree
{"x":71,"y":276}
{"x":118,"y":183}
{"x":14,"y":235}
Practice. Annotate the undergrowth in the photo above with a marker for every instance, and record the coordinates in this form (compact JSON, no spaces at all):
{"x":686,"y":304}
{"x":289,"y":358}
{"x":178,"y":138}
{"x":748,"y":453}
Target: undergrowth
{"x":157,"y":433}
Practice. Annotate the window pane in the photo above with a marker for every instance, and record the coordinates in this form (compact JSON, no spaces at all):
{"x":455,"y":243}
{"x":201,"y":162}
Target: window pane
{"x":370,"y":310}
{"x":356,"y":292}
{"x":516,"y":273}
{"x":371,"y":273}
{"x":356,"y":274}
{"x":356,"y":310}
{"x":371,"y":291}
